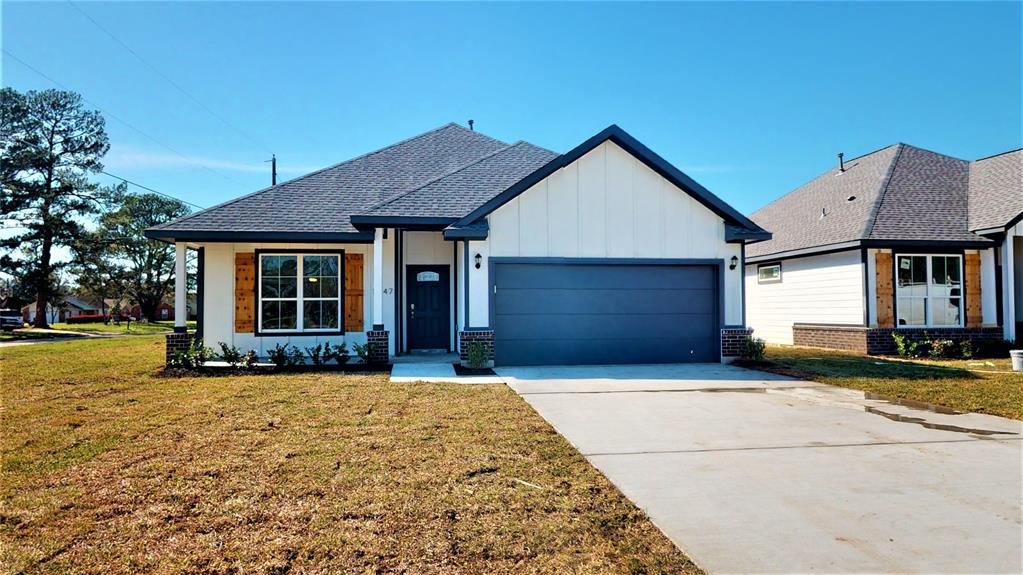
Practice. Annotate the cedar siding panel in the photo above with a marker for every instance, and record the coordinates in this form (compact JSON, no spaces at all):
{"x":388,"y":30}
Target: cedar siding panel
{"x":885,"y":290}
{"x":354,"y":293}
{"x":244,"y":292}
{"x":974,"y":316}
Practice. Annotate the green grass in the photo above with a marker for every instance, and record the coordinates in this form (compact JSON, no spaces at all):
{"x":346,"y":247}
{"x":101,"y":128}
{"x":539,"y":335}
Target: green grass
{"x":952,"y":383}
{"x":111,"y":466}
{"x":124,"y":328}
{"x":28,"y":334}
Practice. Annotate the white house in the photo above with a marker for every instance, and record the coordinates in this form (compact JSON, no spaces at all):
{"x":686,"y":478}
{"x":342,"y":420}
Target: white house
{"x":898,"y":239}
{"x":604,"y":254}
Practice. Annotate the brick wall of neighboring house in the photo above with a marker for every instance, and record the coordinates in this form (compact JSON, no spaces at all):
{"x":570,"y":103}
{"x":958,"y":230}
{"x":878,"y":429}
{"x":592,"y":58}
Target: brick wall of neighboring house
{"x":379,"y":340}
{"x":177,"y":342}
{"x":732,"y":339}
{"x":485,"y":336}
{"x":878,"y":340}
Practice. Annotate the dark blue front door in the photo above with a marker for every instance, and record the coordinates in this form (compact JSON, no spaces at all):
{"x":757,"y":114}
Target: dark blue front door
{"x":429,"y":307}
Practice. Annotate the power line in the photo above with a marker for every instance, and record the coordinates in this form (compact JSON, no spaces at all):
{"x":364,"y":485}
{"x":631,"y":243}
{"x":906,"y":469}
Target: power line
{"x":147,"y":188}
{"x":127,"y":181}
{"x":168,"y":80}
{"x":115,"y":117}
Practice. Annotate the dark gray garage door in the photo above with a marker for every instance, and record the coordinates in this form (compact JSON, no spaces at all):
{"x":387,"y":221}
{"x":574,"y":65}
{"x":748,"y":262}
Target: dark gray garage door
{"x":585,"y":313}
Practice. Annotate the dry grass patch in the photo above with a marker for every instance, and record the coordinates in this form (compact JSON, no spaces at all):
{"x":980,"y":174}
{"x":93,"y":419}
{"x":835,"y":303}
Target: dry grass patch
{"x":107,"y":466}
{"x":987,"y":387}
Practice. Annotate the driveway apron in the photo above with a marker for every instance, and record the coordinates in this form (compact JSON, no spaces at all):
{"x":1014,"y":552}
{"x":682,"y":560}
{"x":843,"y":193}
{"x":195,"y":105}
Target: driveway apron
{"x":752,"y":472}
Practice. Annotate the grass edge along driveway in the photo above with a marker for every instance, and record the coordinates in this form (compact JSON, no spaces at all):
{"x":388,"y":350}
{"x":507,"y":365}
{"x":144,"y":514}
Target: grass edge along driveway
{"x":982,"y":386}
{"x":109,"y":466}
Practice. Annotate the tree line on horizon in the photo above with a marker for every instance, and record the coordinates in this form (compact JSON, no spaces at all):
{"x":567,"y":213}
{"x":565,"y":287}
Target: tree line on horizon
{"x":51,"y":146}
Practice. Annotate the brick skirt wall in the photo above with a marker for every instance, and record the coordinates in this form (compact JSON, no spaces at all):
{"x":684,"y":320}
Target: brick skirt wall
{"x":485,"y":336}
{"x":380,"y":340}
{"x":878,"y":340}
{"x":732,"y":339}
{"x":177,"y":342}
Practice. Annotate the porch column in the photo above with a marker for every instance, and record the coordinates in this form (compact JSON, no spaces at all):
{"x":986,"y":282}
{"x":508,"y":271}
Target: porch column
{"x":180,"y":288}
{"x":1008,"y":288}
{"x":378,"y":279}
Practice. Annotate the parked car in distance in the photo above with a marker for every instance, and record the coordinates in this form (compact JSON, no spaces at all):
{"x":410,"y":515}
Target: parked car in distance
{"x":10,"y":320}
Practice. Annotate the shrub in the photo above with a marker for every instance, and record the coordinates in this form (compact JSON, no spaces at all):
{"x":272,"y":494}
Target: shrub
{"x":338,"y":353}
{"x":231,"y":354}
{"x":282,"y":355}
{"x":194,"y":357}
{"x":966,"y":349}
{"x":753,"y":348}
{"x":907,"y":347}
{"x":942,"y":348}
{"x":477,"y":352}
{"x":317,"y":354}
{"x":364,"y":351}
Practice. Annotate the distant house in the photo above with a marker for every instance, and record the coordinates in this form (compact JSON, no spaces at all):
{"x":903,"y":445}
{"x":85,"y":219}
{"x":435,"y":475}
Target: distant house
{"x":901,"y":239}
{"x":453,"y":240}
{"x":71,"y":305}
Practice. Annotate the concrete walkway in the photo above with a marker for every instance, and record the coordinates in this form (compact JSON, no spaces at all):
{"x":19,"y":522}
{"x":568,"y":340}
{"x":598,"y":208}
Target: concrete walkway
{"x":434,"y":368}
{"x":751,"y":472}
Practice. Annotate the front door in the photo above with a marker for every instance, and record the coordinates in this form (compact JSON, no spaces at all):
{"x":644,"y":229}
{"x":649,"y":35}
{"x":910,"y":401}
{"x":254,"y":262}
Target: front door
{"x":429,"y":307}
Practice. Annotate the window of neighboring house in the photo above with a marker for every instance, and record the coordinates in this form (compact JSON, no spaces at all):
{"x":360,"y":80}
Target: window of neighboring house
{"x":769,"y":274}
{"x":299,"y":292}
{"x":164,"y":313}
{"x":929,"y":290}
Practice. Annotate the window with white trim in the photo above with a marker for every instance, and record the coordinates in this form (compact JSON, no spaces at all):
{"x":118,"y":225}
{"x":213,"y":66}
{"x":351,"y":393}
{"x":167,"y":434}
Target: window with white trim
{"x":770,"y":273}
{"x":929,"y":290}
{"x":299,"y":292}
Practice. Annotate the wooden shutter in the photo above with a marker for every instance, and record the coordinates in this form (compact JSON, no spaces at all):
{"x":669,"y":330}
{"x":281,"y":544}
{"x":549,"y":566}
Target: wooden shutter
{"x":244,"y":292}
{"x":353,"y":292}
{"x":885,"y":293}
{"x":974,"y":314}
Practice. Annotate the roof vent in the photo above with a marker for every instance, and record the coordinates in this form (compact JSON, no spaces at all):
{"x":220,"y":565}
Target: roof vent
{"x":470,"y":125}
{"x":841,"y":162}
{"x":850,"y":198}
{"x":824,"y":212}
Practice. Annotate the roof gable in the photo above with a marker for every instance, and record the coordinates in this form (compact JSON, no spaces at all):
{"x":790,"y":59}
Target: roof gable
{"x":897,"y":194}
{"x":632,"y":146}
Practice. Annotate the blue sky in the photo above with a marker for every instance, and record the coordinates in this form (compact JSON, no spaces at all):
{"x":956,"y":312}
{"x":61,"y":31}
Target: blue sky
{"x":750,"y":99}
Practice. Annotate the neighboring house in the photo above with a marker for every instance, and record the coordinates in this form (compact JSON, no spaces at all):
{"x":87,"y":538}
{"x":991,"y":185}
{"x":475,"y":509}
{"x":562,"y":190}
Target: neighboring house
{"x":165,"y":311}
{"x":605,"y":254}
{"x":899,"y":239}
{"x":71,"y":305}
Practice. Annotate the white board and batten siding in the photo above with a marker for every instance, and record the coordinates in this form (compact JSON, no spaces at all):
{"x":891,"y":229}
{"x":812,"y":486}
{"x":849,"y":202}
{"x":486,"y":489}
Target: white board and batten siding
{"x":824,"y":289}
{"x":218,"y":296}
{"x":606,"y":204}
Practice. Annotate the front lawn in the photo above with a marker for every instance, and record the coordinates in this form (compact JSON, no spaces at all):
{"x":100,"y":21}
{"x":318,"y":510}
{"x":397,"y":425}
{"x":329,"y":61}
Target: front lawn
{"x":985,"y":386}
{"x":135,"y":328}
{"x":110,"y":467}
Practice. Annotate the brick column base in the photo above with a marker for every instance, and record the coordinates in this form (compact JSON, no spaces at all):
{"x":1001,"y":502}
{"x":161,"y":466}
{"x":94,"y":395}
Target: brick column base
{"x":379,"y":339}
{"x":177,"y":342}
{"x":485,"y":336}
{"x":732,"y":339}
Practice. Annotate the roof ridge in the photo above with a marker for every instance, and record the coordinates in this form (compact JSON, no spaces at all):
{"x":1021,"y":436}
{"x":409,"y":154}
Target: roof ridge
{"x":321,"y":170}
{"x":995,"y":155}
{"x":872,"y":220}
{"x":405,"y":193}
{"x":929,"y":151}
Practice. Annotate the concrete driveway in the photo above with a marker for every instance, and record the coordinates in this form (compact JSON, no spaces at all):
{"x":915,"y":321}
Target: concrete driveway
{"x":750,"y":472}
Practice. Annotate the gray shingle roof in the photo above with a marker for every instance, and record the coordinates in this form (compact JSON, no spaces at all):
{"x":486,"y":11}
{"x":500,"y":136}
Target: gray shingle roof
{"x":458,"y":193}
{"x":323,"y":201}
{"x":996,"y":190}
{"x":899,"y":193}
